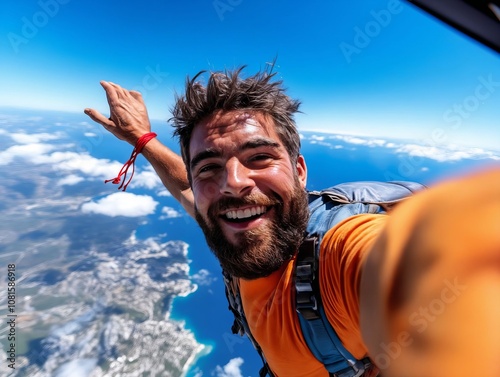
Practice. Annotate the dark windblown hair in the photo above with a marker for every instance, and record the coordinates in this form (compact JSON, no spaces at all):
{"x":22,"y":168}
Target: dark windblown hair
{"x":228,"y":91}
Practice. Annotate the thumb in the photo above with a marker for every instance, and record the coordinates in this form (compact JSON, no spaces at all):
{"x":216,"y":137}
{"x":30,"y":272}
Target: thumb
{"x":96,"y":116}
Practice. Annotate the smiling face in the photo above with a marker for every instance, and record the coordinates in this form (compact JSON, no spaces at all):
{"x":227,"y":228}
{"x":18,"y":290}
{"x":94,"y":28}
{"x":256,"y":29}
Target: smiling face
{"x":250,"y":198}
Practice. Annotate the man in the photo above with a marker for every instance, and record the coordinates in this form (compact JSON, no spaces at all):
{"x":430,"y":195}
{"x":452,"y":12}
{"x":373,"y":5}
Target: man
{"x":417,"y":291}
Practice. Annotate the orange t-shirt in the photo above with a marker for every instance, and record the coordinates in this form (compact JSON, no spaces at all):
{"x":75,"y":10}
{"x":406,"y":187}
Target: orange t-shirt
{"x":270,"y":309}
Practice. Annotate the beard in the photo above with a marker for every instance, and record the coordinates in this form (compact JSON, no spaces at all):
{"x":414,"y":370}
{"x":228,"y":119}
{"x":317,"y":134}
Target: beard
{"x":261,"y":251}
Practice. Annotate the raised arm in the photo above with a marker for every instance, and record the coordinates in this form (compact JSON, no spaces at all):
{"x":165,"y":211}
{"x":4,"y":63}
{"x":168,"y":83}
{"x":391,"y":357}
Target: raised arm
{"x":128,"y":121}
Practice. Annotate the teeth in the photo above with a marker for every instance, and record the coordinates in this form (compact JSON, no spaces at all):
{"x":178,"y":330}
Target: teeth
{"x":248,"y":212}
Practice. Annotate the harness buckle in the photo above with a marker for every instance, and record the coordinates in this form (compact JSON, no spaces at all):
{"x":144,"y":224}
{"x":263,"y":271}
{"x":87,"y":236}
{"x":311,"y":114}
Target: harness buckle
{"x":306,"y":302}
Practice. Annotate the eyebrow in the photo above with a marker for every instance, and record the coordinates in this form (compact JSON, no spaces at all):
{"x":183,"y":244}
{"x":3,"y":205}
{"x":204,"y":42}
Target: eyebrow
{"x":203,"y":155}
{"x":259,"y":142}
{"x":250,"y":144}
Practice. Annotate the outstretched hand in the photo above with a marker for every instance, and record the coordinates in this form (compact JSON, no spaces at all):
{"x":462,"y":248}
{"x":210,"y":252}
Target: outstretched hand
{"x":129,"y":121}
{"x":128,"y":118}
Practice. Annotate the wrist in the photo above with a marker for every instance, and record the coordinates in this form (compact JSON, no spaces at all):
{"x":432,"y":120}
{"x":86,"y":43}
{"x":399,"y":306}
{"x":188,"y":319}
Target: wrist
{"x":138,"y":147}
{"x":134,"y":138}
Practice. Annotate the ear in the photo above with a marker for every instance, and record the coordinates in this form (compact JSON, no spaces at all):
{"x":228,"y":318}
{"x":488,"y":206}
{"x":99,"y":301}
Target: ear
{"x":302,"y":170}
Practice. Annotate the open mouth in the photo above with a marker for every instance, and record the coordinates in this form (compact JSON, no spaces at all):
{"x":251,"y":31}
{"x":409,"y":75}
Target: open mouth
{"x":244,"y":215}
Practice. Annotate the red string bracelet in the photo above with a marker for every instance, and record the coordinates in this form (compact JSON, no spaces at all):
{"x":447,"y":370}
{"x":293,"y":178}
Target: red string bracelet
{"x":143,"y":140}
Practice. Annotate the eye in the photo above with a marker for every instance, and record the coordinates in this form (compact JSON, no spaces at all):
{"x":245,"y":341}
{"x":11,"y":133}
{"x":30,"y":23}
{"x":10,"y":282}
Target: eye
{"x":260,"y":157}
{"x":260,"y":160}
{"x":207,"y":169}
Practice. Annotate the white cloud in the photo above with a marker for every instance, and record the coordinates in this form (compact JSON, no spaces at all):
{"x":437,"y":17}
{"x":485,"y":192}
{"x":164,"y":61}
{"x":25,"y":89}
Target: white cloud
{"x":23,"y":138}
{"x":231,"y":369}
{"x":38,"y":153}
{"x":378,"y":142}
{"x":104,"y":169}
{"x":163,"y":193}
{"x":76,"y":368}
{"x":352,"y":139}
{"x":86,"y":164}
{"x":70,"y":180}
{"x":29,"y":152}
{"x":444,"y":153}
{"x":99,"y":168}
{"x":169,"y":213}
{"x":122,"y":204}
{"x":316,"y":137}
{"x":361,"y":141}
{"x":439,"y":153}
{"x":204,"y":277}
{"x":147,"y":179}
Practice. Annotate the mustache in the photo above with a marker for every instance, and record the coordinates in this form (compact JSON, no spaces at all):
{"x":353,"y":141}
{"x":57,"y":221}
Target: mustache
{"x":254,"y":199}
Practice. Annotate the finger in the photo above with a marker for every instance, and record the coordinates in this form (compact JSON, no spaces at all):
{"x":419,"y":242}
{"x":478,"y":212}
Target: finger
{"x":116,"y":86}
{"x":97,"y":117}
{"x":137,"y":95}
{"x":110,"y":89}
{"x":120,"y":91}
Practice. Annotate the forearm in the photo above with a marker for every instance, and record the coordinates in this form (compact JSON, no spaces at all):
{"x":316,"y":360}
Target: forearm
{"x":430,"y":285}
{"x":172,"y":172}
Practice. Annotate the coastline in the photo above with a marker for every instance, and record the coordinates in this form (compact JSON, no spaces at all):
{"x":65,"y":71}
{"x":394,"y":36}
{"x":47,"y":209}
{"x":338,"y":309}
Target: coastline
{"x":202,"y":350}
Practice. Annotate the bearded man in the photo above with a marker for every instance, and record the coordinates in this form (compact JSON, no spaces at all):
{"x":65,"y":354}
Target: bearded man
{"x":241,"y":175}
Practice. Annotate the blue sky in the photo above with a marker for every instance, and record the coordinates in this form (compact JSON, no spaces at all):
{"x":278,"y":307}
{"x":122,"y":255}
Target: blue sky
{"x":380,"y":68}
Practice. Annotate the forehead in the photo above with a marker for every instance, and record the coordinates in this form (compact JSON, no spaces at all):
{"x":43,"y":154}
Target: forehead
{"x":229,"y":129}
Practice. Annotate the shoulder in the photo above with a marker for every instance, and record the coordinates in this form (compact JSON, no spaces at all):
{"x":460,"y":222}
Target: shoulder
{"x":354,"y":234}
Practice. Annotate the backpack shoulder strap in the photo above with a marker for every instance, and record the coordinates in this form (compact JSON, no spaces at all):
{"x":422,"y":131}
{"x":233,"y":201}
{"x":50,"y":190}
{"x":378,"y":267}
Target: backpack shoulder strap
{"x":320,"y":336}
{"x":328,"y":207}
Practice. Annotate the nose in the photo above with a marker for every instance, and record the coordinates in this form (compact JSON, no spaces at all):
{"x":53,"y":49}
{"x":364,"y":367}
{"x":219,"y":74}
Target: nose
{"x":237,"y":180}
